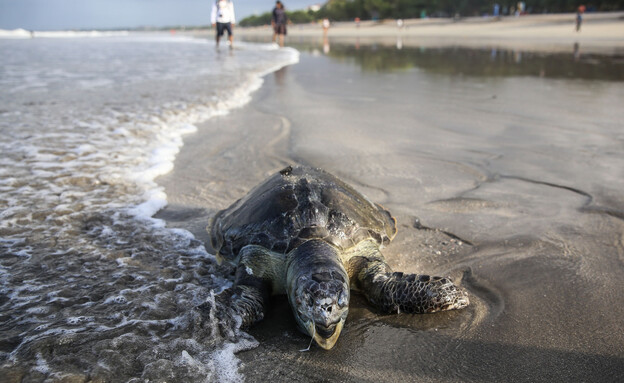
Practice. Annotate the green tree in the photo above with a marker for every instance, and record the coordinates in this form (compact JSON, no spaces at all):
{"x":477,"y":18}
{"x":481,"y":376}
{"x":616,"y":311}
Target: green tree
{"x":343,"y":10}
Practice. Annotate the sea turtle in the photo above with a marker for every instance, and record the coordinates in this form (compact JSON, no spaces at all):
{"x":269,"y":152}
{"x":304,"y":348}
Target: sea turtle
{"x":306,"y":233}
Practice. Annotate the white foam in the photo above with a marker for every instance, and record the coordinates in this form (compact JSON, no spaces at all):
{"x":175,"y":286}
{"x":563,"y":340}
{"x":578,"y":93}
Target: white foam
{"x":156,"y":199}
{"x":78,"y":320}
{"x":42,"y":365}
{"x":123,"y":261}
{"x":117,"y":299}
{"x":97,"y":155}
{"x":227,"y":363}
{"x":162,"y":157}
{"x":74,"y":34}
{"x":292,"y":58}
{"x":22,"y":33}
{"x":15,"y":34}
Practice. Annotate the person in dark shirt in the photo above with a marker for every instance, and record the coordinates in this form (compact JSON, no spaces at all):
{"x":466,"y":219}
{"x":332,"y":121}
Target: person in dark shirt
{"x":278,"y":22}
{"x":579,"y":17}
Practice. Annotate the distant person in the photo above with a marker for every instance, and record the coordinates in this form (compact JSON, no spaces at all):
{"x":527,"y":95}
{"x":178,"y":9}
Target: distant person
{"x":579,"y":17}
{"x":325,"y":27}
{"x":278,"y":22}
{"x":520,"y":8}
{"x":223,"y":17}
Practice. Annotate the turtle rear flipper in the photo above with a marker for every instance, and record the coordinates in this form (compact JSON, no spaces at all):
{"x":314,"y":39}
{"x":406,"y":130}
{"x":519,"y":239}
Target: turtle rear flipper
{"x":408,"y":293}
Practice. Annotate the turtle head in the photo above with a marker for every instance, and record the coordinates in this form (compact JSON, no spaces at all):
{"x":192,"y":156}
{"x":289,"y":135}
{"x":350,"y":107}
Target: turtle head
{"x":320,"y":302}
{"x":318,"y":291}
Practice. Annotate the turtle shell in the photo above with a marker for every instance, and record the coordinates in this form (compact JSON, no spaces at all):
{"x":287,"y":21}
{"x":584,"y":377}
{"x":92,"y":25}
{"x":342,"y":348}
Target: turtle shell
{"x":296,"y":205}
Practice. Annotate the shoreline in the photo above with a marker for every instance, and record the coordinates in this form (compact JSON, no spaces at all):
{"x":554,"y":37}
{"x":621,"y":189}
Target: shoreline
{"x":595,"y":25}
{"x":529,"y":252}
{"x":601,"y":33}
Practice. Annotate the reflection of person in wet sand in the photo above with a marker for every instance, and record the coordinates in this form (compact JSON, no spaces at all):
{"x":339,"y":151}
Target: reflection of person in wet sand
{"x":278,"y":22}
{"x":576,"y":52}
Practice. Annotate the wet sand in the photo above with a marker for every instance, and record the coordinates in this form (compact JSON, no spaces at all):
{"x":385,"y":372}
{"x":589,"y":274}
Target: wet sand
{"x":511,"y":185}
{"x":600,"y":32}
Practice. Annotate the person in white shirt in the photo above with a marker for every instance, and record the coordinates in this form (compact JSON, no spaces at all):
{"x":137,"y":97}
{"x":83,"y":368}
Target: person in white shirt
{"x":223,"y":17}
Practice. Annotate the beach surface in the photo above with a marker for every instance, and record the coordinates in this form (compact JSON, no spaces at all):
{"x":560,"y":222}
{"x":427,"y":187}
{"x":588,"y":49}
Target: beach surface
{"x":603,"y":32}
{"x":509,"y":181}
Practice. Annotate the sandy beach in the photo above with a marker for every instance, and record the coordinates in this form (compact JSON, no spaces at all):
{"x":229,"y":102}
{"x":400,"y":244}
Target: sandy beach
{"x":510,"y":183}
{"x":602,"y":32}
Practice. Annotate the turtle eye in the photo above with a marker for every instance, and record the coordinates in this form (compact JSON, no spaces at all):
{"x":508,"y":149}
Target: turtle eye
{"x":343,"y":299}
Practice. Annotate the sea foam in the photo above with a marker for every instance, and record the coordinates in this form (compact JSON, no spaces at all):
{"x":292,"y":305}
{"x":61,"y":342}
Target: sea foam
{"x":26,"y":34}
{"x":88,"y":125}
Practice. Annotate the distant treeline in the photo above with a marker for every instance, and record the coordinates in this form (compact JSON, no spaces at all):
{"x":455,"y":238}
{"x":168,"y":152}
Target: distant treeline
{"x":348,"y":10}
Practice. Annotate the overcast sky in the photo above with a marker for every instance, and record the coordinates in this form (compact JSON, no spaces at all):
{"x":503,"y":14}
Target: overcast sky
{"x":87,"y":14}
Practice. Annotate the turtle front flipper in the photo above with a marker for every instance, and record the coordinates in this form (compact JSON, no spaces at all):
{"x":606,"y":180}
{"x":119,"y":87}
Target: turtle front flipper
{"x":246,"y":302}
{"x":249,"y":296}
{"x":394,"y":292}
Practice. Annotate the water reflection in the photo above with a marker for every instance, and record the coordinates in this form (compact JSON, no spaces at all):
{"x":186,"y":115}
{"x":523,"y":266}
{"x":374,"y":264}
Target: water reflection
{"x":489,"y":62}
{"x":400,"y":54}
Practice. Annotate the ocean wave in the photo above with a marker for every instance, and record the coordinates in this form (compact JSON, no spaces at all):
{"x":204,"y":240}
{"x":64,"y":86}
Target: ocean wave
{"x":26,"y":34}
{"x":91,"y":282}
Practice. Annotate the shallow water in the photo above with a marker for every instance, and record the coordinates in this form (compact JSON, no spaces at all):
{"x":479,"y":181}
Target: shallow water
{"x":488,"y":63}
{"x":92,"y":286}
{"x":510,"y":183}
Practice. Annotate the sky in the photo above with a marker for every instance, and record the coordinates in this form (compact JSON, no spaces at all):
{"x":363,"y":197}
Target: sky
{"x":101,"y":14}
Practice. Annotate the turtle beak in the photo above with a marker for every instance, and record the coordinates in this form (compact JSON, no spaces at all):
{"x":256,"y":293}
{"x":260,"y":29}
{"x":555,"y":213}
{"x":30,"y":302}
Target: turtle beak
{"x":325,"y":336}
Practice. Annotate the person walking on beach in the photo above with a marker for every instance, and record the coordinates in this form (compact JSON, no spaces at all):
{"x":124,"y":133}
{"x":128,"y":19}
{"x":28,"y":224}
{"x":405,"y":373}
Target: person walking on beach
{"x":223,"y":17}
{"x":579,"y":17}
{"x":325,"y":27}
{"x":278,"y":22}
